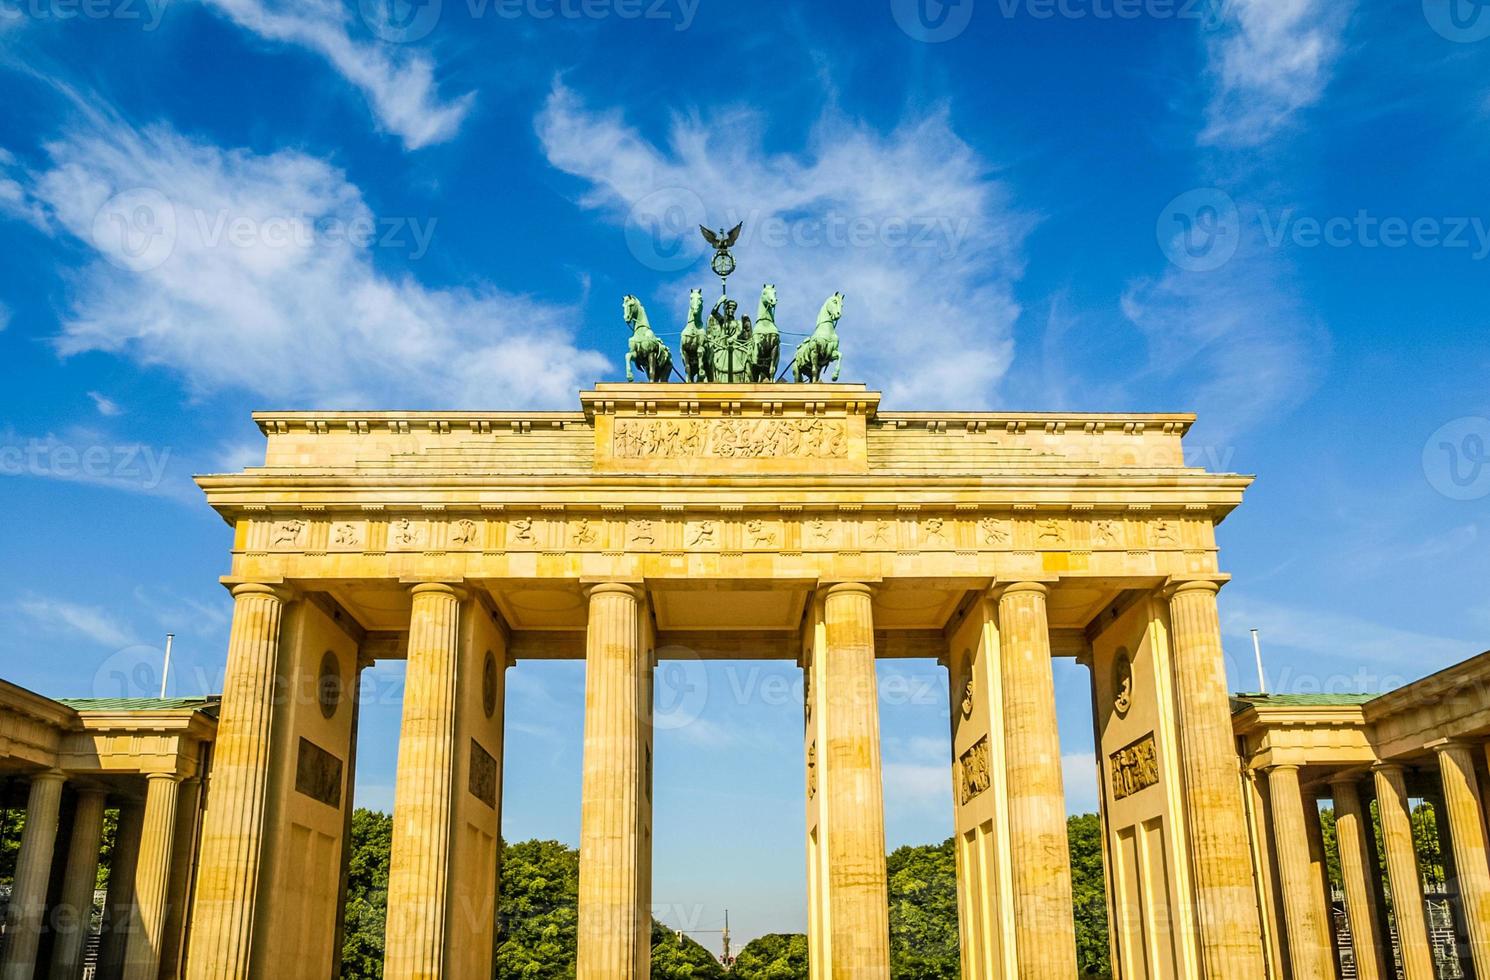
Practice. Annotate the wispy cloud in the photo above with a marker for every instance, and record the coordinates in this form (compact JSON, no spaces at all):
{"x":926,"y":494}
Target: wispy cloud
{"x":1269,"y":60}
{"x":1234,"y":344}
{"x":1079,"y":776}
{"x":106,"y":406}
{"x":60,"y":616}
{"x":1338,"y":641}
{"x":912,"y":224}
{"x":254,"y":272}
{"x":398,"y":82}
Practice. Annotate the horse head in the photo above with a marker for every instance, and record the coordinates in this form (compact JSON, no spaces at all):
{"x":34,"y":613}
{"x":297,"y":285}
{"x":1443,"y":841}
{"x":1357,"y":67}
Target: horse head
{"x":832,"y":311}
{"x":695,"y":307}
{"x":634,"y":312}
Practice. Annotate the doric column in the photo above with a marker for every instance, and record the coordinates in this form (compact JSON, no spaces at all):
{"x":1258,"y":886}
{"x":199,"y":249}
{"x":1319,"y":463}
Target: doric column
{"x":1402,"y":872}
{"x":1358,"y":876}
{"x":183,"y":856}
{"x":419,"y":868}
{"x":1230,"y":933}
{"x":1308,"y":934}
{"x":78,"y":881}
{"x":28,"y":895}
{"x":233,"y":832}
{"x":1044,"y":934}
{"x":152,"y":878}
{"x":119,"y":903}
{"x":614,"y":926}
{"x":1461,"y":796}
{"x":852,"y":785}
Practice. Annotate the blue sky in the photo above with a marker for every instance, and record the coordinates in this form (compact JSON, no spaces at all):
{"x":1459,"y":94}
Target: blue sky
{"x":1270,"y":212}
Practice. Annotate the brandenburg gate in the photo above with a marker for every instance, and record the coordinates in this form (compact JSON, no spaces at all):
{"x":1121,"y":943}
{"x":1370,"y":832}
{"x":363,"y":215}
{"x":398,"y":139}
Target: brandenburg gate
{"x":726,"y":521}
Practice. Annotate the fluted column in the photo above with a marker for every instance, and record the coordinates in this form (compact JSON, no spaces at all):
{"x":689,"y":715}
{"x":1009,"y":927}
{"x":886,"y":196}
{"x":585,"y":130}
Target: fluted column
{"x":853,"y":787}
{"x":119,"y":903}
{"x":233,"y":832}
{"x":183,"y":854}
{"x":78,"y":882}
{"x":1044,"y":934}
{"x":28,"y":895}
{"x":419,"y":868}
{"x":1226,"y":901}
{"x":613,"y":924}
{"x":1402,"y":872}
{"x":1461,"y":796}
{"x":1352,"y":824}
{"x":152,"y":878}
{"x":1308,"y":933}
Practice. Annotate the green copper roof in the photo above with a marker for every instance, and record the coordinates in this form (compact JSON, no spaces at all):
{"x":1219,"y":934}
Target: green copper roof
{"x":135,"y":704}
{"x":1244,"y":701}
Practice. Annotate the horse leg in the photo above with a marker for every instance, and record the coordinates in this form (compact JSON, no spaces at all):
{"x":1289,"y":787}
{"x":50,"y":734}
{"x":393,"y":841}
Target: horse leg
{"x":630,"y":357}
{"x":837,"y":364}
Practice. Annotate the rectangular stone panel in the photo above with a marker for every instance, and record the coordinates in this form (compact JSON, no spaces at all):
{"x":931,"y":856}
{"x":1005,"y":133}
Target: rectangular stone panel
{"x":483,"y":775}
{"x":318,"y":774}
{"x":1134,"y":767}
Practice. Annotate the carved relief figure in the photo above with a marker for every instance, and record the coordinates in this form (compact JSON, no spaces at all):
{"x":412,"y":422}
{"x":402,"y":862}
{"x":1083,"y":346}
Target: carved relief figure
{"x":730,"y":438}
{"x":936,"y":530}
{"x":880,"y":533}
{"x":1122,"y":684}
{"x":522,"y":530}
{"x":641,"y":533}
{"x":702,"y":533}
{"x":967,"y":699}
{"x":995,"y":532}
{"x":1166,"y":533}
{"x":812,"y":770}
{"x":1134,"y":767}
{"x":820,"y":530}
{"x":1051,"y":531}
{"x":463,"y":531}
{"x":1106,"y":532}
{"x":288,"y":532}
{"x":976,"y":775}
{"x":405,"y":532}
{"x":762,"y":535}
{"x":584,"y":532}
{"x":346,"y":534}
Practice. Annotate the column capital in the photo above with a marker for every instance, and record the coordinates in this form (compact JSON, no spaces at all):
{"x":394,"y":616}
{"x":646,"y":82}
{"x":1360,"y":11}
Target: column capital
{"x":1444,"y":745}
{"x":630,"y":590}
{"x":1001,"y":589}
{"x":1281,"y":767}
{"x":280,"y":591}
{"x":1389,"y":768}
{"x":439,"y":588}
{"x":1179,"y":586}
{"x":847,"y":588}
{"x":49,"y":775}
{"x":174,"y":777}
{"x":1345,"y":778}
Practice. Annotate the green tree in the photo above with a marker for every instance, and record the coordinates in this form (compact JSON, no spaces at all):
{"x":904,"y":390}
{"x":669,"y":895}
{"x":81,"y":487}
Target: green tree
{"x":680,"y":960}
{"x":538,"y":926}
{"x":923,"y":912}
{"x":1089,"y":895}
{"x":367,"y":896}
{"x":773,"y":957}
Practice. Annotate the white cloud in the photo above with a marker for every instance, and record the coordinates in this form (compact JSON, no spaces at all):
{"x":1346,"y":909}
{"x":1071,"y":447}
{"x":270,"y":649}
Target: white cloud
{"x":1269,"y":59}
{"x":919,"y":234}
{"x":4,"y":316}
{"x":234,"y":269}
{"x":1079,"y":776}
{"x":1339,"y":648}
{"x":106,"y":406}
{"x":60,"y":616}
{"x":399,"y":83}
{"x":1234,"y":345}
